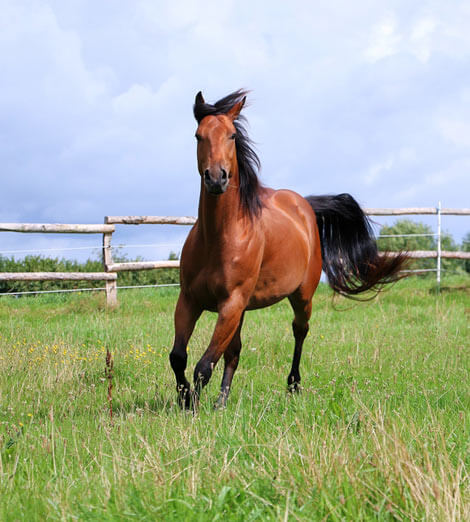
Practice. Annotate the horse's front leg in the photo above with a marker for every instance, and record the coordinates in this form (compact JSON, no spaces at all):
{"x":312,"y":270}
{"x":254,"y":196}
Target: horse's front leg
{"x":231,"y":357}
{"x":186,"y":315}
{"x":230,"y":315}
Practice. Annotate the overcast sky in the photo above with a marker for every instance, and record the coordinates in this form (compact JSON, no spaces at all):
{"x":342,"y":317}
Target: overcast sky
{"x":96,"y":104}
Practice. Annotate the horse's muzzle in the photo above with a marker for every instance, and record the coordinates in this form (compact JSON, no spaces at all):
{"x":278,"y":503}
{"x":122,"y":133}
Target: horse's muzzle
{"x":218,"y":185}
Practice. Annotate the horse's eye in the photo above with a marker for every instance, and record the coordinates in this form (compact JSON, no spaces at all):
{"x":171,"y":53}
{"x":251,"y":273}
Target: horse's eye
{"x":233,"y":136}
{"x":198,"y":137}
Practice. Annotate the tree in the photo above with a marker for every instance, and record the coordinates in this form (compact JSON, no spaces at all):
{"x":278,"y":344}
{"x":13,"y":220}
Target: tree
{"x":405,"y":227}
{"x":424,"y":240}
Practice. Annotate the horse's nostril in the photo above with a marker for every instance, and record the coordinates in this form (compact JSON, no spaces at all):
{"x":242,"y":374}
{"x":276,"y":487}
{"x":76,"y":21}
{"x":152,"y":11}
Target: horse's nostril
{"x":224,"y":175}
{"x":206,"y":174}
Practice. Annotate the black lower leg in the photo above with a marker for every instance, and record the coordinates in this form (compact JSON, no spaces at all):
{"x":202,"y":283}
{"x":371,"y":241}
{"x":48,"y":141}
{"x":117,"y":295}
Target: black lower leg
{"x":202,"y":375}
{"x":231,"y":358}
{"x":300,"y":332}
{"x":178,"y":361}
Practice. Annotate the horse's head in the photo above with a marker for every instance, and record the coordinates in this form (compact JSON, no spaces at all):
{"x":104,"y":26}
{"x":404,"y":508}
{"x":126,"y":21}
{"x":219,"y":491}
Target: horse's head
{"x":216,"y":145}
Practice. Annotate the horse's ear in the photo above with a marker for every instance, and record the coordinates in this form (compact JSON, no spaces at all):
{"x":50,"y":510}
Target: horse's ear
{"x":234,"y":112}
{"x":199,"y":98}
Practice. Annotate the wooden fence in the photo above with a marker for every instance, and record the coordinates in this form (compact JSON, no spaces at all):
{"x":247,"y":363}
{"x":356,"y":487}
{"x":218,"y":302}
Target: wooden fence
{"x":107,"y":230}
{"x":439,"y":254}
{"x":109,"y":276}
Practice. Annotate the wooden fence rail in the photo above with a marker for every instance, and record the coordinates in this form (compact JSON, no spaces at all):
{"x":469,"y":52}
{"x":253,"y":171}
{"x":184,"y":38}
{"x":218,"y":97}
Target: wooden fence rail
{"x":429,"y":254}
{"x":417,"y":211}
{"x":150,"y":220}
{"x":56,"y":228}
{"x":111,"y":268}
{"x":142,"y":265}
{"x":57,"y":276}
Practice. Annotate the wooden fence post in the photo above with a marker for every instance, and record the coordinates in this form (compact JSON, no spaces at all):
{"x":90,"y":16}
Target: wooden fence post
{"x":111,"y":286}
{"x":439,"y":249}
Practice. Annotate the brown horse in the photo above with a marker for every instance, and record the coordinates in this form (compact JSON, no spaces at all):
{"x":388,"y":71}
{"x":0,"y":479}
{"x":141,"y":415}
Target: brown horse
{"x":253,"y":246}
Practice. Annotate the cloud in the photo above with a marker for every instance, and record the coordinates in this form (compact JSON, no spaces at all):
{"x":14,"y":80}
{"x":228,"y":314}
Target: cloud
{"x":456,"y":131}
{"x":421,"y":38}
{"x":385,"y":40}
{"x":376,"y":171}
{"x":96,"y":101}
{"x":43,"y":64}
{"x":453,"y":117}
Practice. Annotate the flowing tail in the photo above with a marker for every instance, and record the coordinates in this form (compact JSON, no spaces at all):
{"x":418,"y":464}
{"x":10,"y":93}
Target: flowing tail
{"x":351,"y":260}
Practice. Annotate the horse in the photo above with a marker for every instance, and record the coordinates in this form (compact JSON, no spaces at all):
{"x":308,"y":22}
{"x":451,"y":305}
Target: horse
{"x":253,"y":246}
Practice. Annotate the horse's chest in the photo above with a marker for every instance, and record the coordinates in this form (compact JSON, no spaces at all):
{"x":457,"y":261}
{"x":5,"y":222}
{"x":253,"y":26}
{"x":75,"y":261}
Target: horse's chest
{"x":208,"y":286}
{"x":216,"y":274}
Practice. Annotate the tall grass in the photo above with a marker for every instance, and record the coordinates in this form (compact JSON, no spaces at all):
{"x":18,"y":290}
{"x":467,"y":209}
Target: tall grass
{"x":381,"y":429}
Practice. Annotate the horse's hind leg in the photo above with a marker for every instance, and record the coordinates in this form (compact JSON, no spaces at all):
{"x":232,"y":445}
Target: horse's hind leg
{"x":302,"y":310}
{"x":186,"y":315}
{"x":231,"y":358}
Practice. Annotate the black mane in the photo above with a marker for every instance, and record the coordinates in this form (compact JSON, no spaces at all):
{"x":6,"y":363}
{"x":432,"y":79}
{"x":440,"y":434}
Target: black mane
{"x":248,"y":161}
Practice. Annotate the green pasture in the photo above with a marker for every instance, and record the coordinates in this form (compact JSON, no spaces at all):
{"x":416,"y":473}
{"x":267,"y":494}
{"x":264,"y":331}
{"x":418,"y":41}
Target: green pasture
{"x":380,"y":430}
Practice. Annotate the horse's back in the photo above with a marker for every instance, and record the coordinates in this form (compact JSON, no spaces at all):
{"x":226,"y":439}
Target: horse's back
{"x":289,"y":218}
{"x":291,"y":204}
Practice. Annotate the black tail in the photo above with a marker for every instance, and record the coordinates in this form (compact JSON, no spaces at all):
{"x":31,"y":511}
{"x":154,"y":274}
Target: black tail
{"x":350,"y":257}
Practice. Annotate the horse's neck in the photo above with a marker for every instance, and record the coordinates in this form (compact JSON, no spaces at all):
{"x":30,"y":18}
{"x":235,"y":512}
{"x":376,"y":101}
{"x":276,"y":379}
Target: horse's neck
{"x":218,"y":215}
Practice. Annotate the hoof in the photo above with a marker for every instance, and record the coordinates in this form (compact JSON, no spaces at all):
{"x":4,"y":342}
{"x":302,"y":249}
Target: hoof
{"x":184,"y":398}
{"x":221,"y":402}
{"x":293,"y":383}
{"x":293,"y":387}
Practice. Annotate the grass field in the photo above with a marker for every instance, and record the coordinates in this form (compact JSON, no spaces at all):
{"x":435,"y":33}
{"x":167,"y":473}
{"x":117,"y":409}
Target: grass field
{"x":380,"y":431}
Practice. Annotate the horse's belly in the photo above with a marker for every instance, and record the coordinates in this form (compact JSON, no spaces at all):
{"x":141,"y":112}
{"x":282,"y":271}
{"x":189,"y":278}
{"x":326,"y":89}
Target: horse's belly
{"x":275,"y":285}
{"x":262,"y":301}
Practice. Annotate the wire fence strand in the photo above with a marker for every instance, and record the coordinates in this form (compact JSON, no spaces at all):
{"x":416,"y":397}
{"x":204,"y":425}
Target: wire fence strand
{"x":98,"y":247}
